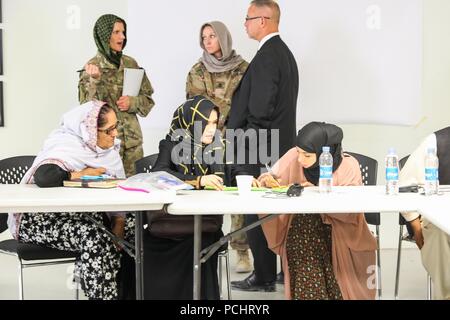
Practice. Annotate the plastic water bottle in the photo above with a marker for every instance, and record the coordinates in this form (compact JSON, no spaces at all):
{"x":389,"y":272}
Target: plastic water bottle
{"x":391,"y":172}
{"x":326,"y":170}
{"x":431,"y":172}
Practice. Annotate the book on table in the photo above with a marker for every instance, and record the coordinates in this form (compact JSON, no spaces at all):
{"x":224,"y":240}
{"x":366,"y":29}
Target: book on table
{"x":92,"y":183}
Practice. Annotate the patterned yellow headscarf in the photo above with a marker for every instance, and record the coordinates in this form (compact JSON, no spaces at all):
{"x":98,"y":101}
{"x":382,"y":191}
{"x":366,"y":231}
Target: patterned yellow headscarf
{"x":183,"y":130}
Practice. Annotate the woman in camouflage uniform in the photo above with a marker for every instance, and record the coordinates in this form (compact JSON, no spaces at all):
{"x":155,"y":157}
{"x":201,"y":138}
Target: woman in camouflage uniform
{"x":216,"y":75}
{"x":102,"y":79}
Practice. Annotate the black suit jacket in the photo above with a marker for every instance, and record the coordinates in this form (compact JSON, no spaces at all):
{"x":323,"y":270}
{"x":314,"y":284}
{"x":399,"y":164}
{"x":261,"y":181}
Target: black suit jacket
{"x":266,"y":98}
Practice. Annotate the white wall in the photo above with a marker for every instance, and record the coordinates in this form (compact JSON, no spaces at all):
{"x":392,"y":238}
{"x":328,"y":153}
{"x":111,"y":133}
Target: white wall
{"x":43,"y":49}
{"x":374,"y":140}
{"x":41,"y":56}
{"x":353,"y":68}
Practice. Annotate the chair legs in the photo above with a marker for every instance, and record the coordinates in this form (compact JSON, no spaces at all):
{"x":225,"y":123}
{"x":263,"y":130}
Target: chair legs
{"x":225,"y":256}
{"x":399,"y":255}
{"x":397,"y":274}
{"x":429,"y":288}
{"x":21,"y":296}
{"x":22,"y":266}
{"x":227,"y":268}
{"x":378,"y":263}
{"x":220,"y":275}
{"x":77,"y":289}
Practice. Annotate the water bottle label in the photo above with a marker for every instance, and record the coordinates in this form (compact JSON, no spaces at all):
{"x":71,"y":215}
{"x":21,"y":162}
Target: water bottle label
{"x":391,"y":174}
{"x":431,"y":174}
{"x":326,"y":172}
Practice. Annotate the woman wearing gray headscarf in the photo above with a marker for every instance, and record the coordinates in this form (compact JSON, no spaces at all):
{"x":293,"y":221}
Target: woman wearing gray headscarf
{"x":216,"y":75}
{"x":219,"y":71}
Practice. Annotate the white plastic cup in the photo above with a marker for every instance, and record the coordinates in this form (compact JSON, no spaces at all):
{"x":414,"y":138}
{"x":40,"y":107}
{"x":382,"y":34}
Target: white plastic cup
{"x":244,"y":184}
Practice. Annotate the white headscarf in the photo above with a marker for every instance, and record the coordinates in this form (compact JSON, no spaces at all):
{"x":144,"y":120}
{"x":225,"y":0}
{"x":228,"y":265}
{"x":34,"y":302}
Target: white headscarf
{"x":73,"y":146}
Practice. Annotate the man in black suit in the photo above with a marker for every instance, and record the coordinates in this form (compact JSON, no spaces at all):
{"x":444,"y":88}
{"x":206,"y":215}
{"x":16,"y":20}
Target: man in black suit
{"x":266,"y":99}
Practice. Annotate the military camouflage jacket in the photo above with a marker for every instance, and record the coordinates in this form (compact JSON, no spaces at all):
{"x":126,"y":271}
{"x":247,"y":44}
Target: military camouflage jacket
{"x":219,"y":87}
{"x":109,"y":89}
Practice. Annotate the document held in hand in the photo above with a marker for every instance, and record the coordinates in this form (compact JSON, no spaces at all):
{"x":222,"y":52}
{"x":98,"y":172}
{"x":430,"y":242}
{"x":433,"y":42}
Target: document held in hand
{"x":132,"y":80}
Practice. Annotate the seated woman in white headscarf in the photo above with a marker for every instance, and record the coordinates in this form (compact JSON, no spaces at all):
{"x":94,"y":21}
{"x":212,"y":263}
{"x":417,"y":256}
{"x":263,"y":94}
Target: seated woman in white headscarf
{"x":434,"y":243}
{"x":85,"y":144}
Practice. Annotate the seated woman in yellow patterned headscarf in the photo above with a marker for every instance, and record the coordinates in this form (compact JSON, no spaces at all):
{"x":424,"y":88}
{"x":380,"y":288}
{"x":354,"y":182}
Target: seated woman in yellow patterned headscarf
{"x":193,"y":152}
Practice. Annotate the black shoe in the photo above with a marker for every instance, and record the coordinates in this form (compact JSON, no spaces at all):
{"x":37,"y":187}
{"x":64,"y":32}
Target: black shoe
{"x":251,"y":284}
{"x":280,"y":278}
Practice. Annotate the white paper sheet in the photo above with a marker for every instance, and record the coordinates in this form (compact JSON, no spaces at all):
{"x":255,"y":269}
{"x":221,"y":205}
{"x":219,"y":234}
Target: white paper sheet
{"x":132,"y":82}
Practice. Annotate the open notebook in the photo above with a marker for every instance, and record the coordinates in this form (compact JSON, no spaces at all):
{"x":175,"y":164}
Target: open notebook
{"x":160,"y":180}
{"x":236,"y":188}
{"x":281,"y":189}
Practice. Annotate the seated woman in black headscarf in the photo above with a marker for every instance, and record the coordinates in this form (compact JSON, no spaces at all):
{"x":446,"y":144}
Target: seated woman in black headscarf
{"x":326,"y":256}
{"x":193,"y":152}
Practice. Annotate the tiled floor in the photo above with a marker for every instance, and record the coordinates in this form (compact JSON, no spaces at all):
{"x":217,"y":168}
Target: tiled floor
{"x":54,"y":282}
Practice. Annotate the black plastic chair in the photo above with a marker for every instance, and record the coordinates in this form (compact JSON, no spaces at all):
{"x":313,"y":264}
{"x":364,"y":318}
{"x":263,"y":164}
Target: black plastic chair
{"x":369,"y":170}
{"x":409,"y":236}
{"x":146,"y":164}
{"x":12,"y":171}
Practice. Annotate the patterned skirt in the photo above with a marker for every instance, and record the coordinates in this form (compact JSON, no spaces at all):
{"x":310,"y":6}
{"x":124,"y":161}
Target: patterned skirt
{"x":309,"y":258}
{"x":99,"y":260}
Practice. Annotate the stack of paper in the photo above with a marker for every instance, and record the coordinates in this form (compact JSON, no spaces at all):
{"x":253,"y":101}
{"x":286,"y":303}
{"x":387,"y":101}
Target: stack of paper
{"x":132,"y":82}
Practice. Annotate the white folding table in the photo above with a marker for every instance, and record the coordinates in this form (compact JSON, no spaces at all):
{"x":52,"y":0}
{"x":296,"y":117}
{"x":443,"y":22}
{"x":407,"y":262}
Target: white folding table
{"x":341,"y":200}
{"x":30,"y":198}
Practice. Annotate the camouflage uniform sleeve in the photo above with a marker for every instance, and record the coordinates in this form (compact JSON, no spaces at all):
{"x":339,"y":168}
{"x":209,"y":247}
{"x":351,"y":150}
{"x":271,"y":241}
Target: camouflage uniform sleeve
{"x":88,"y":88}
{"x":195,"y":83}
{"x":143,"y":103}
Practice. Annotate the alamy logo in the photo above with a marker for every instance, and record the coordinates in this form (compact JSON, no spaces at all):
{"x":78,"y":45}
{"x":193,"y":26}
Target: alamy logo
{"x":239,"y":147}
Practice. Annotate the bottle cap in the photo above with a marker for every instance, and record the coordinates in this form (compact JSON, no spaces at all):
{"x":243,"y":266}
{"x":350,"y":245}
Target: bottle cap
{"x":431,"y":150}
{"x":391,"y":151}
{"x":325,"y":149}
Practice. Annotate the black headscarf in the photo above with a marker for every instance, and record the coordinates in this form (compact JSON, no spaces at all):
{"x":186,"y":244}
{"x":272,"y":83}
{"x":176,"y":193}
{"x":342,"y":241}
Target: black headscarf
{"x":315,"y":135}
{"x":183,"y":130}
{"x":102,"y":34}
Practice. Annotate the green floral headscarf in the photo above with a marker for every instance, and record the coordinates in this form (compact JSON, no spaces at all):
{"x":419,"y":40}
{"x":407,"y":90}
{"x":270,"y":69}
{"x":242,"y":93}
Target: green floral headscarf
{"x":102,"y":34}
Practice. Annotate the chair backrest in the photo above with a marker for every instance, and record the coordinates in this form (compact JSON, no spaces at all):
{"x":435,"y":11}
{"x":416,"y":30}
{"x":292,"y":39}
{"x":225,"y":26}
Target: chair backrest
{"x":146,"y":164}
{"x":368,"y":166}
{"x":402,"y":161}
{"x":3,"y":222}
{"x":12,"y":171}
{"x":369,"y":170}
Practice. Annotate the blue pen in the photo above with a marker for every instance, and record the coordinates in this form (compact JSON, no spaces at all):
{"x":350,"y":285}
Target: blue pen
{"x":92,"y":178}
